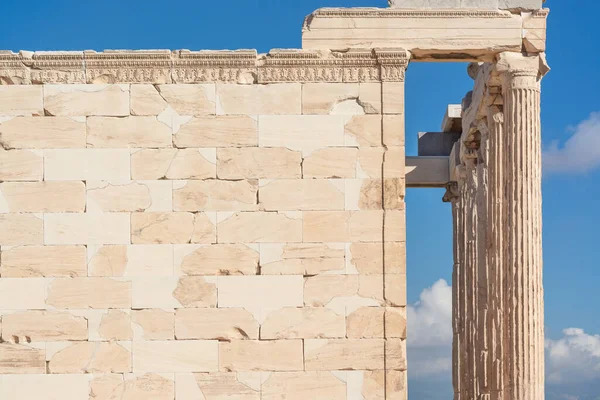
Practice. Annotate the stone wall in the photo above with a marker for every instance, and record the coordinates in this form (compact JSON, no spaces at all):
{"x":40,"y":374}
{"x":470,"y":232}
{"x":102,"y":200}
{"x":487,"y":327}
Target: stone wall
{"x":202,"y":226}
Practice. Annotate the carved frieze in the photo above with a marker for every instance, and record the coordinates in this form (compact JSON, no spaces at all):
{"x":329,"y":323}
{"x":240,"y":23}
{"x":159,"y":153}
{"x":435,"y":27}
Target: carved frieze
{"x":124,"y":66}
{"x":214,"y":66}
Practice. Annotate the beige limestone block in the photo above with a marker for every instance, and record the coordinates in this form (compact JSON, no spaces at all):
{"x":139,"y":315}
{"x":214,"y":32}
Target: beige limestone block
{"x":393,"y":97}
{"x":22,"y":294}
{"x":343,"y":226}
{"x":395,"y":354}
{"x":259,"y":227}
{"x":216,"y":259}
{"x":366,"y":258}
{"x":42,"y":132}
{"x":213,"y":195}
{"x":397,"y":385}
{"x":86,"y":100}
{"x":395,"y":258}
{"x":254,"y":355}
{"x":40,"y":197}
{"x":332,"y":162}
{"x":301,"y":132}
{"x":323,"y":98}
{"x":102,"y":386}
{"x":146,"y":100}
{"x":128,"y":132}
{"x":395,"y":322}
{"x":367,"y":385}
{"x":393,"y":130}
{"x":22,"y":359}
{"x":116,"y":325}
{"x":109,"y":228}
{"x":131,"y":261}
{"x":81,"y":293}
{"x":220,"y":131}
{"x":43,"y":326}
{"x":395,"y":225}
{"x":301,"y":258}
{"x":314,"y":385}
{"x":395,"y":290}
{"x":174,"y":292}
{"x":343,"y":293}
{"x":393,"y":193}
{"x":21,"y":165}
{"x":258,"y":163}
{"x":256,"y":293}
{"x":176,"y":356}
{"x":301,"y":194}
{"x":394,"y":165}
{"x":86,"y":164}
{"x":153,"y":324}
{"x":303,"y":323}
{"x":196,"y":99}
{"x":89,"y":357}
{"x":44,"y":387}
{"x":363,"y":130}
{"x":18,"y":100}
{"x":141,"y":387}
{"x":215,"y":323}
{"x":43,"y":261}
{"x":120,"y":196}
{"x":284,"y":98}
{"x":176,"y":227}
{"x":366,"y":323}
{"x":340,"y":354}
{"x":221,"y":385}
{"x":363,"y":194}
{"x":173,"y":164}
{"x":196,"y":291}
{"x":21,"y":229}
{"x":370,"y":162}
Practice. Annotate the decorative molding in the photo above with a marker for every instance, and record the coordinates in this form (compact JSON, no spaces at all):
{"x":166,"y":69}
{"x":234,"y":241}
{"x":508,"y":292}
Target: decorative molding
{"x":396,"y":13}
{"x":184,"y":66}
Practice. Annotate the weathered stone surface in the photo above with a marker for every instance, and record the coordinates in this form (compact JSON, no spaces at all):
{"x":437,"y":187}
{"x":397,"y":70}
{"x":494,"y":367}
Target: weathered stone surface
{"x":366,"y":323}
{"x":40,"y":197}
{"x":395,"y":257}
{"x":393,"y":130}
{"x":213,"y":386}
{"x":258,"y":163}
{"x":22,"y":294}
{"x":338,"y":354}
{"x":363,"y":130}
{"x":86,"y":100}
{"x":370,"y":161}
{"x":213,"y":195}
{"x":333,"y":162}
{"x":47,"y":387}
{"x":303,"y":323}
{"x":43,"y":326}
{"x":81,"y":293}
{"x":395,"y":225}
{"x":21,"y":229}
{"x":366,"y":258}
{"x":22,"y":359}
{"x":173,"y":164}
{"x":343,"y":226}
{"x":220,"y":131}
{"x":116,"y":325}
{"x":153,"y":324}
{"x":196,"y":291}
{"x":305,"y":194}
{"x":84,"y":228}
{"x":217,"y":324}
{"x":301,"y":258}
{"x":42,"y":133}
{"x":478,"y":4}
{"x":176,"y":356}
{"x":43,"y":261}
{"x":254,"y":355}
{"x":21,"y":165}
{"x":260,"y":292}
{"x":179,"y":227}
{"x":131,"y":261}
{"x":322,"y":98}
{"x":128,"y":132}
{"x":16,"y":100}
{"x":303,"y":385}
{"x":260,"y":227}
{"x":182,"y":99}
{"x":363,"y":194}
{"x":134,"y":387}
{"x":86,"y":164}
{"x":218,"y":259}
{"x":395,"y":354}
{"x":397,"y":385}
{"x":89,"y":357}
{"x":123,"y":196}
{"x":343,"y":293}
{"x":259,"y":99}
{"x":395,"y":322}
{"x":301,"y":132}
{"x":395,"y":290}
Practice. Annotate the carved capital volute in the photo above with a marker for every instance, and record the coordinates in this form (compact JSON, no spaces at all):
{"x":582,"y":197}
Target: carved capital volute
{"x":521,"y":71}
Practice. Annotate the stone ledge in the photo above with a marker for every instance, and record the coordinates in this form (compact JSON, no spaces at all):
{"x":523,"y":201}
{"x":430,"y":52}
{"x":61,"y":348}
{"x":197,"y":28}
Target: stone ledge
{"x":185,"y":66}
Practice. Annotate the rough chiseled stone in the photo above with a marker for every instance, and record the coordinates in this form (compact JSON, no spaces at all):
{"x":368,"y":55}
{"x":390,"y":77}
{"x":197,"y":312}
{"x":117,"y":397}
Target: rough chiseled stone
{"x":218,"y":259}
{"x":217,"y":324}
{"x":90,"y":357}
{"x":22,"y":359}
{"x":153,"y":324}
{"x":173,"y":164}
{"x":43,"y":326}
{"x":258,"y":163}
{"x":216,"y":195}
{"x":301,"y":258}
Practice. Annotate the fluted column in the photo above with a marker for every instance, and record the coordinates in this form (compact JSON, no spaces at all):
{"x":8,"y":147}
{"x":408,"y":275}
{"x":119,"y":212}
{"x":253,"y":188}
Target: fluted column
{"x":523,"y":297}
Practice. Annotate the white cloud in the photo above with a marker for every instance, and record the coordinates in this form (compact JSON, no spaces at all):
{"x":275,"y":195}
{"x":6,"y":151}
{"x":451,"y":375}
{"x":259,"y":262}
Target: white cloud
{"x":430,"y":332}
{"x":580,"y":153}
{"x":573,"y":358}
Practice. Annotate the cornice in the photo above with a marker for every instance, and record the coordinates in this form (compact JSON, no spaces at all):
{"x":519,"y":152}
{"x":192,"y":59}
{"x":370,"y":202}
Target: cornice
{"x":400,"y":13}
{"x":185,"y":66}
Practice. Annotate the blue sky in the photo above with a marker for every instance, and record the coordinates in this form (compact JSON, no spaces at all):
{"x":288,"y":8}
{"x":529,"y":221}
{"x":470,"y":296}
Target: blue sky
{"x":572,"y":177}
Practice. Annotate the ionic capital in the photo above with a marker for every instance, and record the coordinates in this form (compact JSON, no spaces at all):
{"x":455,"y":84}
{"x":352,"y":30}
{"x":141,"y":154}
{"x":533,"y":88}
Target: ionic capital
{"x":522,"y":71}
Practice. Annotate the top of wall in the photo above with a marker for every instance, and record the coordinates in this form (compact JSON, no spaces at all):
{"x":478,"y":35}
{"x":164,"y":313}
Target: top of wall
{"x":185,"y":66}
{"x":478,"y":4}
